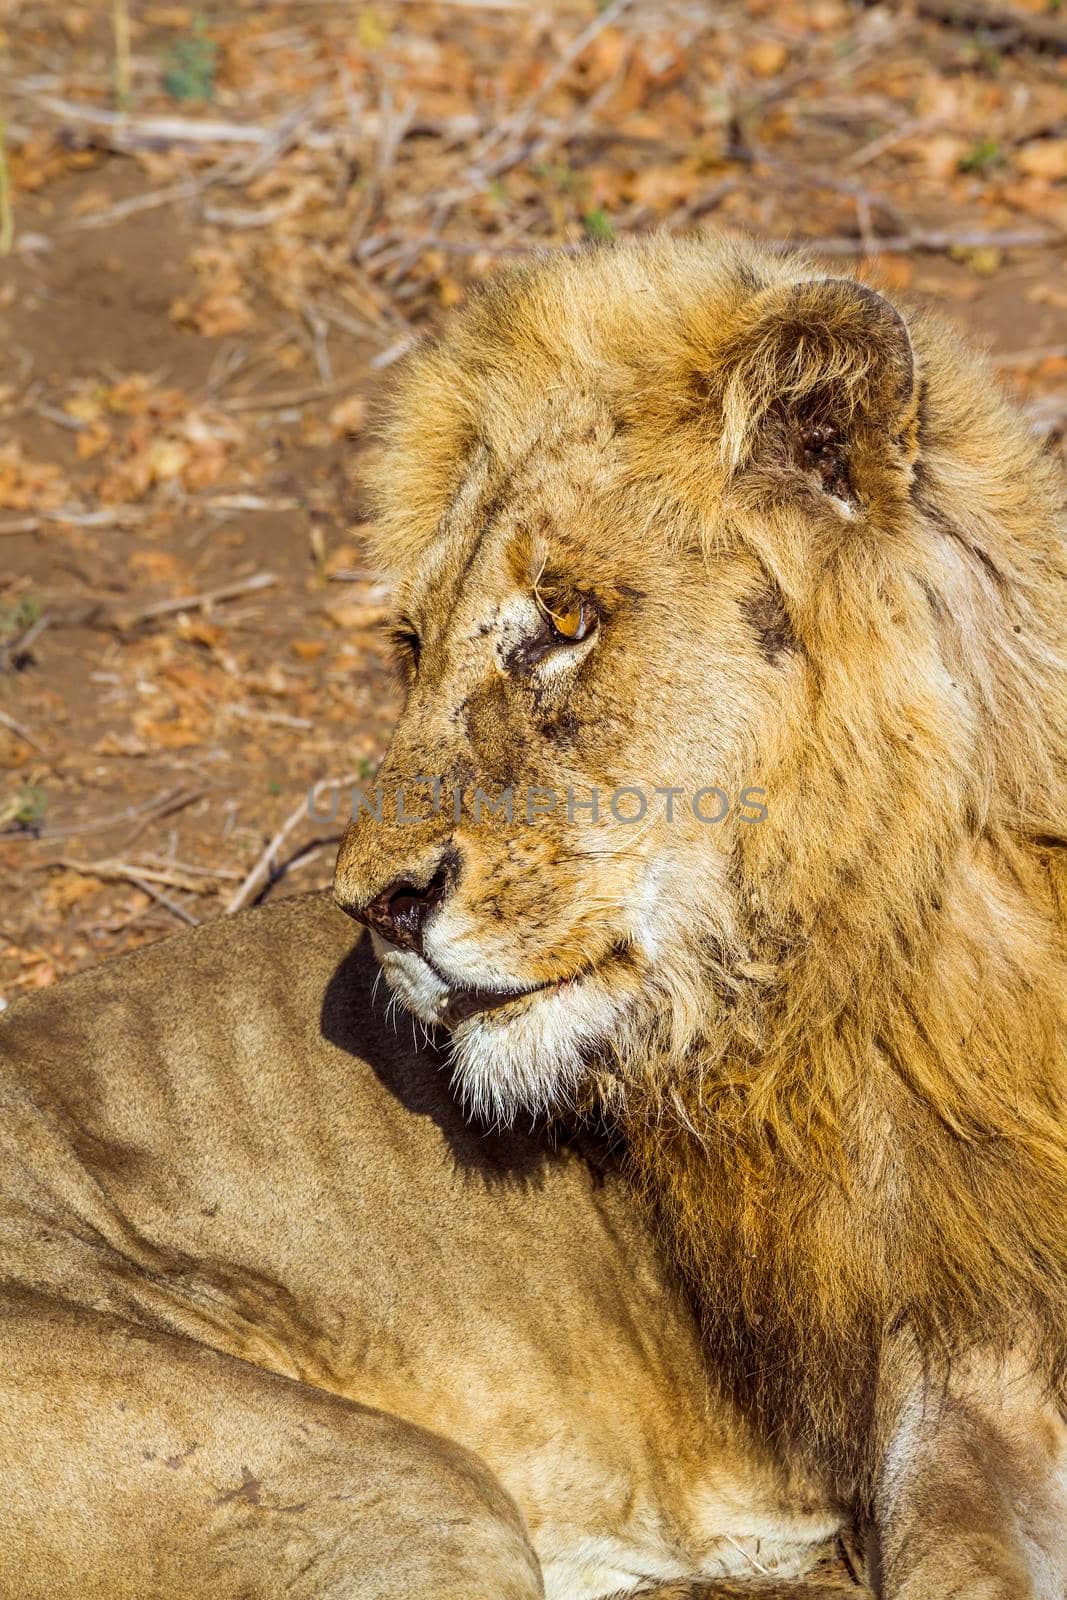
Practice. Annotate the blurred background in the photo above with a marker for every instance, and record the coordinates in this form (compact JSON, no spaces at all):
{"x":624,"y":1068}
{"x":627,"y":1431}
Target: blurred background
{"x":221,"y":225}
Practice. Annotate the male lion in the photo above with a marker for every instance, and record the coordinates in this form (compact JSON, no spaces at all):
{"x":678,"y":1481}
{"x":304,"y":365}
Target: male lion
{"x":683,"y":518}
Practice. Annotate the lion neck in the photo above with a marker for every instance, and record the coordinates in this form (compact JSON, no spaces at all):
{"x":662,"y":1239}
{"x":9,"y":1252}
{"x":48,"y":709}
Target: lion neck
{"x":873,"y":1138}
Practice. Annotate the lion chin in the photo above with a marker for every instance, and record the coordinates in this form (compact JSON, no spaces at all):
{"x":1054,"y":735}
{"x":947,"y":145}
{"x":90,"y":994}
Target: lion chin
{"x":513,"y":1052}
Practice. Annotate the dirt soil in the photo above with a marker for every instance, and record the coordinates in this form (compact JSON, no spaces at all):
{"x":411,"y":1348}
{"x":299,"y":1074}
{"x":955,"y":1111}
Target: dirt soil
{"x":221,"y":227}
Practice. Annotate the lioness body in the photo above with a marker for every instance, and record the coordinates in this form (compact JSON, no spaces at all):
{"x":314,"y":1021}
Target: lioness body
{"x":236,"y":1212}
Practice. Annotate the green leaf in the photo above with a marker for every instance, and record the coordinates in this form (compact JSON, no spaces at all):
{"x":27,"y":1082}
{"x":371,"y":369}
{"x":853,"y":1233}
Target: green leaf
{"x":598,"y":224}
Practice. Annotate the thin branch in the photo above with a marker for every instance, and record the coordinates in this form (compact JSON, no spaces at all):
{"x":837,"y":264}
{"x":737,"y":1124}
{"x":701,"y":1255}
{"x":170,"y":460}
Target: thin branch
{"x":7,"y":217}
{"x":164,"y":805}
{"x":199,"y":602}
{"x":261,"y":873}
{"x":932,"y":241}
{"x":114,"y":870}
{"x":138,"y":132}
{"x":510,"y":136}
{"x":136,"y":203}
{"x":120,"y":25}
{"x":239,"y":501}
{"x":1041,"y":31}
{"x":1032,"y":358}
{"x":18,"y":647}
{"x":888,"y":141}
{"x":385,"y":358}
{"x":23,"y":733}
{"x":164,"y":900}
{"x":287,"y":397}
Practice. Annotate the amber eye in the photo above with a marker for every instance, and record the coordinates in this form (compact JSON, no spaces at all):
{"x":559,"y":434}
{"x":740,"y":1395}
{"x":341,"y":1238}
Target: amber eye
{"x":574,"y":623}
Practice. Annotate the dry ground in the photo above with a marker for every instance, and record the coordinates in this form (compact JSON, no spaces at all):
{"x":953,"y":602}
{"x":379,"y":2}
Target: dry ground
{"x":221,"y":227}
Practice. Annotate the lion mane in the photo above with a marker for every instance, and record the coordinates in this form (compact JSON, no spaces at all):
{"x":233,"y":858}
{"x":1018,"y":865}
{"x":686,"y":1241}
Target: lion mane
{"x":853,"y":1127}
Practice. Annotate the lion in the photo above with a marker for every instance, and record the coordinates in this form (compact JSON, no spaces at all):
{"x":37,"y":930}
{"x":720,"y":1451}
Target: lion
{"x":277,"y":1320}
{"x":727,"y":805}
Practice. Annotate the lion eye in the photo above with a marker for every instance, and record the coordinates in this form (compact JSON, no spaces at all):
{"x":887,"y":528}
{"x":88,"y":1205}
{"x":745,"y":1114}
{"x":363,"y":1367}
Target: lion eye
{"x":575,"y":623}
{"x":571,"y":624}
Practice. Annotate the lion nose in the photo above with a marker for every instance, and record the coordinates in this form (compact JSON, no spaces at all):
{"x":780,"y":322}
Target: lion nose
{"x":400,"y":912}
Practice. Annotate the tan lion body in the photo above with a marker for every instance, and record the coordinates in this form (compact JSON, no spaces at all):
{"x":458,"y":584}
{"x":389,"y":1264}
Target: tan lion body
{"x":276,"y":1322}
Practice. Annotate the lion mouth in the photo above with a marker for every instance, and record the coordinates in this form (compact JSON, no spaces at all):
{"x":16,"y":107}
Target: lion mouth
{"x":460,"y":1005}
{"x":463,"y":1004}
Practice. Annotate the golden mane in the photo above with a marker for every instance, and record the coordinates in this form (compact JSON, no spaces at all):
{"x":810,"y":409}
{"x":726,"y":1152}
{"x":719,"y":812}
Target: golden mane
{"x":865,"y":1129}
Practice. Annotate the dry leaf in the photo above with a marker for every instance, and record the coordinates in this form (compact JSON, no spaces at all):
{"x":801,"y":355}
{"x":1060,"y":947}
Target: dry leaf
{"x":307,"y":649}
{"x":344,"y":559}
{"x":213,"y":315}
{"x":1048,"y":294}
{"x":14,"y":752}
{"x":941,"y":154}
{"x":350,"y":614}
{"x":176,"y":734}
{"x":349,"y":416}
{"x":157,"y":566}
{"x":117,"y":744}
{"x":983,"y":260}
{"x":92,"y":439}
{"x":197,"y":630}
{"x":1043,"y":158}
{"x":766,"y":58}
{"x":67,"y":887}
{"x":27,"y":485}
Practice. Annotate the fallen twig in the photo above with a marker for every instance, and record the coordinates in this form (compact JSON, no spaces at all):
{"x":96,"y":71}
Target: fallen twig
{"x":287,"y":397}
{"x":120,"y":23}
{"x":1044,"y":32}
{"x":197,"y":602}
{"x":516,"y":127}
{"x":164,"y":805}
{"x":23,"y":733}
{"x":136,"y":202}
{"x":191,"y":869}
{"x":134,"y":132}
{"x":11,"y":653}
{"x":292,"y":129}
{"x":385,"y":358}
{"x":1032,"y":358}
{"x":887,"y":141}
{"x":930,"y":241}
{"x":143,"y":878}
{"x":106,"y":517}
{"x":249,"y":502}
{"x":164,"y":900}
{"x":274,"y":719}
{"x":7,"y":218}
{"x":393,"y":125}
{"x":264,"y":869}
{"x":114,"y":870}
{"x":252,"y":216}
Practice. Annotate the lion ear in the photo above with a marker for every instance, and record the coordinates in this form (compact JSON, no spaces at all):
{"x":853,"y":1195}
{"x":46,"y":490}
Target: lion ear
{"x":820,"y":379}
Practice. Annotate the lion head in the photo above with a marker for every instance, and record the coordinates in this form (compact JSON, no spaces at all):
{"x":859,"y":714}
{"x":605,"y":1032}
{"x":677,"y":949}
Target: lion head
{"x":734,"y":709}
